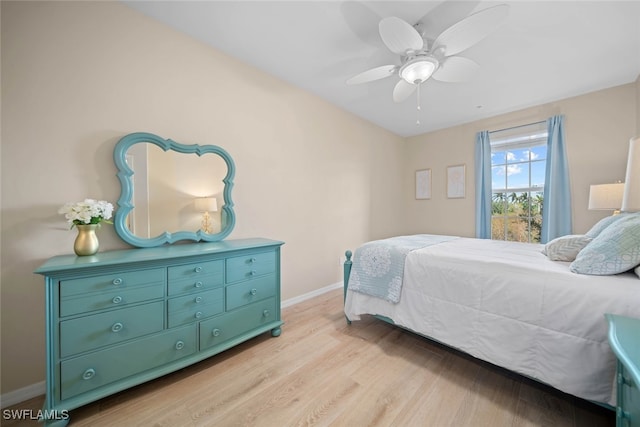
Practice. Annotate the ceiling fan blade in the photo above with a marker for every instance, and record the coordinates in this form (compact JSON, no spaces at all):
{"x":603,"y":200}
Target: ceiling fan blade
{"x":471,"y":29}
{"x":403,"y":90}
{"x":373,"y":74}
{"x":443,"y":16}
{"x":399,"y":36}
{"x":456,"y":69}
{"x":362,"y":20}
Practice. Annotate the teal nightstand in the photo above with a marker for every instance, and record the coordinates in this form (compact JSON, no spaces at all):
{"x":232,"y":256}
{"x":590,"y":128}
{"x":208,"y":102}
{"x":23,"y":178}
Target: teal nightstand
{"x":624,"y":338}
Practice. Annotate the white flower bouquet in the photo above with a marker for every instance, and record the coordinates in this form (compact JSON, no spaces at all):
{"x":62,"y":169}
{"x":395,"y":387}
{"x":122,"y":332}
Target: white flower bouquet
{"x":88,"y":211}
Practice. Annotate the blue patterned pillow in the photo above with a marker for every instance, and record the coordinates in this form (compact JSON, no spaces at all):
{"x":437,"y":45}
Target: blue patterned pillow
{"x":615,"y":250}
{"x":566,"y":248}
{"x":604,"y":223}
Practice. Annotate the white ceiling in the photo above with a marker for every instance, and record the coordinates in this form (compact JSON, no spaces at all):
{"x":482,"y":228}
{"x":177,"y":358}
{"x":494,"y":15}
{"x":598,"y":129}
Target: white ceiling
{"x":543,"y":52}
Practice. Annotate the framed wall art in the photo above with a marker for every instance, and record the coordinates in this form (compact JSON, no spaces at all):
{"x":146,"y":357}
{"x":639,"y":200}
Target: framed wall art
{"x":423,"y":184}
{"x":456,"y":182}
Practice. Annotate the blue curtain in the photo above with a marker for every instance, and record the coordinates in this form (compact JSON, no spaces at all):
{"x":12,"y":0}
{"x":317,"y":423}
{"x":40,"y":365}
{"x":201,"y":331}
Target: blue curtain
{"x":483,"y":185}
{"x":556,"y":208}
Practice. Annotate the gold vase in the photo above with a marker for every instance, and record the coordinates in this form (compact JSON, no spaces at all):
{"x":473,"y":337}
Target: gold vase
{"x":86,"y":241}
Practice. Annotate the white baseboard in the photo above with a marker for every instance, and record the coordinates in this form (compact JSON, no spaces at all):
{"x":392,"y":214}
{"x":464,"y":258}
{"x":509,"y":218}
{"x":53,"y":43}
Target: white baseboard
{"x":38,"y":389}
{"x":309,"y":295}
{"x":22,"y":394}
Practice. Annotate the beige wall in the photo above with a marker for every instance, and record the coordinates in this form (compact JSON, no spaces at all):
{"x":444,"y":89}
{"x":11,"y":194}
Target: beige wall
{"x":598,"y":127}
{"x":77,"y":76}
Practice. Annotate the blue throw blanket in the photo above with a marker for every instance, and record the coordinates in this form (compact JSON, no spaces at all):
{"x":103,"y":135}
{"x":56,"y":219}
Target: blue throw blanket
{"x":378,"y":266}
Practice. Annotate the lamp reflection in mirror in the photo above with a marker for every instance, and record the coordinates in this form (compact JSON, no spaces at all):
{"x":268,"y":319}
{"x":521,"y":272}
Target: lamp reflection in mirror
{"x":606,"y":197}
{"x":206,"y":205}
{"x":631,"y":196}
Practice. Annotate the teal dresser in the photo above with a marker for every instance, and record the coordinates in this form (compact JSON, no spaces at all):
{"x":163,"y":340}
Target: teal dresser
{"x":624,"y":338}
{"x":121,"y":318}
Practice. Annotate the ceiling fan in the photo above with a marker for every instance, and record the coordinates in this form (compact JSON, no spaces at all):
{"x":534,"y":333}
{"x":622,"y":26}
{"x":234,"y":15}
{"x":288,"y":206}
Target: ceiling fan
{"x":422,"y":58}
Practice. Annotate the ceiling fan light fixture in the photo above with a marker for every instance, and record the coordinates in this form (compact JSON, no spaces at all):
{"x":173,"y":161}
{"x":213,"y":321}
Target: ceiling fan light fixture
{"x":417,"y":70}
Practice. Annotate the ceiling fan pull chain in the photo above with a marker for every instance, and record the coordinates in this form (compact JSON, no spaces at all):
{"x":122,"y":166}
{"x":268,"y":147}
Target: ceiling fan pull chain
{"x":418,"y":106}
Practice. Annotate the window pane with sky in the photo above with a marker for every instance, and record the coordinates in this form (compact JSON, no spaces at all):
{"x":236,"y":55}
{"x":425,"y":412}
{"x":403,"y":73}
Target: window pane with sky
{"x":518,"y":175}
{"x":498,"y":177}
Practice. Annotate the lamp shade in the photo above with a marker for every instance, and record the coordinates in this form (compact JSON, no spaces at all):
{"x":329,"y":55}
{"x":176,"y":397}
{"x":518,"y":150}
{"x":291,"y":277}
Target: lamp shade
{"x":631,"y":196}
{"x":206,"y":204}
{"x":606,"y":196}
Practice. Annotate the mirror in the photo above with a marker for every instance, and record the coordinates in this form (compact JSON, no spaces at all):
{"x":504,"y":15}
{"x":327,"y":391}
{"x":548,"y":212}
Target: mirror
{"x":172,"y":192}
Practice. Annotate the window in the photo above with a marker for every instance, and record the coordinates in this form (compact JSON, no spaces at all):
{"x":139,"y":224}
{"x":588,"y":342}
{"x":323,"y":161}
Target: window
{"x":518,"y":162}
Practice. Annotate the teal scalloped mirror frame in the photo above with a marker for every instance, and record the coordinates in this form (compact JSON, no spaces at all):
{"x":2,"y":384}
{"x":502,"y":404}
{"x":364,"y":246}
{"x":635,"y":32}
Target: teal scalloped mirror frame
{"x":125,"y":162}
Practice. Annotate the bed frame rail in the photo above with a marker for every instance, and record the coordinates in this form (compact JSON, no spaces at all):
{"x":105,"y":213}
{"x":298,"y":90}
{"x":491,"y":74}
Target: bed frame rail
{"x":347,"y":272}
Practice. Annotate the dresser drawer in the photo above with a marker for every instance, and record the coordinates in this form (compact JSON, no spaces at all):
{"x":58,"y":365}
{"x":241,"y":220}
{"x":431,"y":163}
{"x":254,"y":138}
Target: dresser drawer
{"x":91,"y":332}
{"x":190,"y":308}
{"x":249,"y":266}
{"x":112,"y":282}
{"x":230,"y":325}
{"x":83,"y":303}
{"x":84,"y":373}
{"x":195,"y":277}
{"x":249,"y":291}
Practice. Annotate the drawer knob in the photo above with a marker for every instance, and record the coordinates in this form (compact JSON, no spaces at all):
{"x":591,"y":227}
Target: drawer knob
{"x":623,"y":415}
{"x":198,"y":284}
{"x":198,"y":299}
{"x":117,"y":281}
{"x":216,"y":332}
{"x":253,"y":291}
{"x":179,"y":345}
{"x":252,"y":260}
{"x":253,"y":273}
{"x":266,"y":313}
{"x":198,"y":314}
{"x":117,"y":299}
{"x":88,"y":374}
{"x":117,"y":327}
{"x":198,"y":269}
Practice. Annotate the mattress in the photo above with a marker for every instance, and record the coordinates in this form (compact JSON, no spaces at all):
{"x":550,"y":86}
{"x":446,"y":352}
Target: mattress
{"x":508,"y":304}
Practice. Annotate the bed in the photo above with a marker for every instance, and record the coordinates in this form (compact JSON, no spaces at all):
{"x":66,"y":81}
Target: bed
{"x":503,"y":302}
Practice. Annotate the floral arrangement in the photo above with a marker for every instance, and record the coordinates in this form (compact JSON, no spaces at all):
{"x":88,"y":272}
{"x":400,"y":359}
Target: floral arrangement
{"x":88,"y":211}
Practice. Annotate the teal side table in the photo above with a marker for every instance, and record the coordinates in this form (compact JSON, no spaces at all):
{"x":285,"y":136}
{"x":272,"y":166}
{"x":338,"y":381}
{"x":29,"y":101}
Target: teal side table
{"x":624,"y":338}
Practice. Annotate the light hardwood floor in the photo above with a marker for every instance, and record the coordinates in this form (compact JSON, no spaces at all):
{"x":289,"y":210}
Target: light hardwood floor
{"x":323,"y":372}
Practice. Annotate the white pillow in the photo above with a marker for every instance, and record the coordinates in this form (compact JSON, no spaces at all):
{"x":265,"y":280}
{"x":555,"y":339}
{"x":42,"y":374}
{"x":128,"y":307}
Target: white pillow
{"x":566,"y":248}
{"x":615,"y":250}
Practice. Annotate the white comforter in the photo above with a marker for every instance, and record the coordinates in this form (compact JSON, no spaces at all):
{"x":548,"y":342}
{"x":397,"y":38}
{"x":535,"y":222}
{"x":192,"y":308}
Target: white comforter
{"x":506,"y":303}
